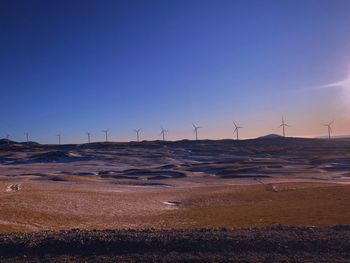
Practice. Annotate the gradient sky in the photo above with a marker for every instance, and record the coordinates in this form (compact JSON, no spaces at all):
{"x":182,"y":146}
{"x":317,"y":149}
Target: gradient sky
{"x":77,"y":66}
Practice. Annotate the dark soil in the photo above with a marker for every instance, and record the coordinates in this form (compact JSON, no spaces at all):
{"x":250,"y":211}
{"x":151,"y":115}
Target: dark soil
{"x":276,"y":244}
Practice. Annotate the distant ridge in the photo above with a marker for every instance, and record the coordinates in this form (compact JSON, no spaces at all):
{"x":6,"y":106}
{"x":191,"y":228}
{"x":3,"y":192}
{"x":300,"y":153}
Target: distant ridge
{"x":335,"y":137}
{"x":30,"y":143}
{"x":10,"y":142}
{"x":6,"y":141}
{"x":271,"y":136}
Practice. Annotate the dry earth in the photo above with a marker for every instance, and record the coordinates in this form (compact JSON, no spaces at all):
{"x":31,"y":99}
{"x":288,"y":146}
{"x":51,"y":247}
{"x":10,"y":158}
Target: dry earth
{"x":175,"y":185}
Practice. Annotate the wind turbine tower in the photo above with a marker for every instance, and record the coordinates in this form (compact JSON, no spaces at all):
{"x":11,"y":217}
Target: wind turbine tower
{"x":88,"y":136}
{"x":59,"y":138}
{"x":329,"y":127}
{"x":283,"y":125}
{"x":196,"y":130}
{"x":163,"y":132}
{"x":236,"y":130}
{"x":138,"y":134}
{"x":106,"y":134}
{"x":27,"y":137}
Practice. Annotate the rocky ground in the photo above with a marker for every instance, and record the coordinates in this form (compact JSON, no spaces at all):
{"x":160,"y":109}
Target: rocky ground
{"x":276,"y":244}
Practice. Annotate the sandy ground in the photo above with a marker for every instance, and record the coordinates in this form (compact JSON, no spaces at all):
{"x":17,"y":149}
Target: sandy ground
{"x":52,"y":206}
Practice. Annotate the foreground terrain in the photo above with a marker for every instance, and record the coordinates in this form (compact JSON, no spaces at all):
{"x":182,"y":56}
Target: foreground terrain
{"x":38,"y":207}
{"x":176,"y":201}
{"x":183,"y":184}
{"x":277,"y":244}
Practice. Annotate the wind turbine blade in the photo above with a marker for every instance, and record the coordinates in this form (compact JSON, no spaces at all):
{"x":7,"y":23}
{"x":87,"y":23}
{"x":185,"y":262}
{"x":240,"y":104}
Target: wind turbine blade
{"x":331,"y":122}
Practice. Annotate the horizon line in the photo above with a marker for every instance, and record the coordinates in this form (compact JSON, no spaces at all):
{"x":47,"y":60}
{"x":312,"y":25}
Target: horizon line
{"x":277,"y":136}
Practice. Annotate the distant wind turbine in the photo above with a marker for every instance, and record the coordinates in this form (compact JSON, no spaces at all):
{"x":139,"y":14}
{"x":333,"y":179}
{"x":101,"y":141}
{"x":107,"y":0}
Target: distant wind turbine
{"x":163,"y":132}
{"x":196,"y":130}
{"x":88,"y":136}
{"x":236,"y":130}
{"x":8,"y":138}
{"x":59,"y":137}
{"x":137,"y":134}
{"x":27,"y":137}
{"x":106,"y":134}
{"x":283,"y":125}
{"x":329,"y":127}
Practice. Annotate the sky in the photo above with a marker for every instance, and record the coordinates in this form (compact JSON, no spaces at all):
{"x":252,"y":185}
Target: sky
{"x":79,"y":66}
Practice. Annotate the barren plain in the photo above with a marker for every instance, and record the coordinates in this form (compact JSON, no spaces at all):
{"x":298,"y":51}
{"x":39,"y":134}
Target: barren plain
{"x":184,"y":185}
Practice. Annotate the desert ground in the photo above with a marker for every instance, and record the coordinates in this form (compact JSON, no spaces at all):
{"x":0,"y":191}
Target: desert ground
{"x":177,"y":187}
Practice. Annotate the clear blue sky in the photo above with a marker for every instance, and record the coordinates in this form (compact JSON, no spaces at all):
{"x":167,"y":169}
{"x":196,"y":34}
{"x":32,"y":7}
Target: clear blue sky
{"x":77,"y":66}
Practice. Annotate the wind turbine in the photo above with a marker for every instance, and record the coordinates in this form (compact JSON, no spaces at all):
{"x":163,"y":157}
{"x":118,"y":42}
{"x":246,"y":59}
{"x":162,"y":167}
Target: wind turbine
{"x":163,"y":132}
{"x":88,"y":136}
{"x":137,"y":134}
{"x":329,"y":128}
{"x":106,"y":134}
{"x":236,"y":130}
{"x":196,"y":130}
{"x":283,"y":125}
{"x":27,"y":137}
{"x":8,"y":138}
{"x":59,"y":137}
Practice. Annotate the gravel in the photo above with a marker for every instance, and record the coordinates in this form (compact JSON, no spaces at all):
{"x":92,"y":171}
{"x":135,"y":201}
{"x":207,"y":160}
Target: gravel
{"x":275,"y":244}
